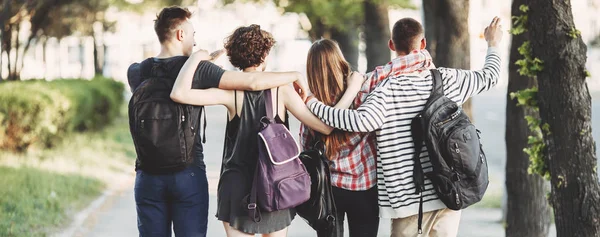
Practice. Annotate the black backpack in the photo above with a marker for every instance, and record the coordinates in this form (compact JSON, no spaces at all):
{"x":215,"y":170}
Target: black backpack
{"x":319,"y":211}
{"x":460,"y":171}
{"x":163,"y":131}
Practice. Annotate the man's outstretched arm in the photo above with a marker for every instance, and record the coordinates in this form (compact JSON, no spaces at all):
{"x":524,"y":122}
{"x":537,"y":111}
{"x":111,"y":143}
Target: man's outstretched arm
{"x":369,"y":117}
{"x":469,"y":83}
{"x":257,"y":81}
{"x":210,"y":75}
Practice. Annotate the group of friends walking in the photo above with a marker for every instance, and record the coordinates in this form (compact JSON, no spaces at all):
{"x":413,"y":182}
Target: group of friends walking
{"x":364,"y":121}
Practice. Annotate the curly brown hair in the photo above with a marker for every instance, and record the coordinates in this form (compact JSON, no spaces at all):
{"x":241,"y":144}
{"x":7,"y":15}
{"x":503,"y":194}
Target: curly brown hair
{"x":248,"y":46}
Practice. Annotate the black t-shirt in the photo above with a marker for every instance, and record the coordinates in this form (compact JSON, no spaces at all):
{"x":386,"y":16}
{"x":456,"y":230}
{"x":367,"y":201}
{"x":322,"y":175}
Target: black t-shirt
{"x":207,"y":75}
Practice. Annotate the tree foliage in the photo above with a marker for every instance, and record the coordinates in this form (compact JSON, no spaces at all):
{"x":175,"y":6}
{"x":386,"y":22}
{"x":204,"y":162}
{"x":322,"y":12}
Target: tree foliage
{"x":341,"y":20}
{"x":340,"y":14}
{"x":59,"y":19}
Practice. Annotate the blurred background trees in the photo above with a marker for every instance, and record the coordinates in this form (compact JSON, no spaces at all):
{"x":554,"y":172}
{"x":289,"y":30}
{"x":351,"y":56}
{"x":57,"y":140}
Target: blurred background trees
{"x":33,"y":35}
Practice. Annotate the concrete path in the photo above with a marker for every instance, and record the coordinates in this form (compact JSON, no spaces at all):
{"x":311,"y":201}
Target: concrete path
{"x":117,"y":216}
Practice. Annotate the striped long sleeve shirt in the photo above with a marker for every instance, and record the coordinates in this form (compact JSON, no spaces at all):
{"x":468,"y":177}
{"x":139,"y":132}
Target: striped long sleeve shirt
{"x":388,"y":111}
{"x":353,"y":165}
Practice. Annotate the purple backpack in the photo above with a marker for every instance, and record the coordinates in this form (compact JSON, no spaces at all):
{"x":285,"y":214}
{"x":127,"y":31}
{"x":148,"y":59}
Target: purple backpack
{"x":280,"y":180}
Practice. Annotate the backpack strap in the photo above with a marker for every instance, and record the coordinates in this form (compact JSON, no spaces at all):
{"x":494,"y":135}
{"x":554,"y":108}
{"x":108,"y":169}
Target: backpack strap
{"x":416,"y":129}
{"x":269,"y":104}
{"x":253,"y":210}
{"x":438,"y":85}
{"x":417,"y":134}
{"x":235,"y":101}
{"x":203,"y":112}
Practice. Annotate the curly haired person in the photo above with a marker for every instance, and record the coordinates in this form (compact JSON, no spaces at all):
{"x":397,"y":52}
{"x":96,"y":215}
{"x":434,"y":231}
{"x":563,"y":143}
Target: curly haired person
{"x":248,"y":49}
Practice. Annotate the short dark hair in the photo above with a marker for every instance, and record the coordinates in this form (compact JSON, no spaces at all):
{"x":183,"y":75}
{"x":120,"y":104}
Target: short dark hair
{"x":248,"y":46}
{"x":404,"y":34}
{"x":168,"y":20}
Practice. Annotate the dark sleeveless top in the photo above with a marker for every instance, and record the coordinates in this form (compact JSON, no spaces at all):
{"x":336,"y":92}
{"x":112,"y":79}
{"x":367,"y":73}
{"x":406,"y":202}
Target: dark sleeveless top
{"x":240,"y":155}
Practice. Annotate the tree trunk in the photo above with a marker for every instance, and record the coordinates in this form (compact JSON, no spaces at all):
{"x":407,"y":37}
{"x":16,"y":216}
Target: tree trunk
{"x":1,"y":66}
{"x":8,"y":44}
{"x":3,"y":18}
{"x":1,"y":54}
{"x":318,"y":31}
{"x":44,"y":43}
{"x":377,"y":34}
{"x":528,"y":213}
{"x":27,"y":46}
{"x":13,"y":72}
{"x":447,"y":33}
{"x":98,"y":57}
{"x":104,"y":56}
{"x":348,"y":41}
{"x":82,"y":58}
{"x":565,"y":105}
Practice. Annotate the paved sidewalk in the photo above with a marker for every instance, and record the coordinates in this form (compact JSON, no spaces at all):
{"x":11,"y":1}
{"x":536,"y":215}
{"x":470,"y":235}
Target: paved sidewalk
{"x":118,"y":218}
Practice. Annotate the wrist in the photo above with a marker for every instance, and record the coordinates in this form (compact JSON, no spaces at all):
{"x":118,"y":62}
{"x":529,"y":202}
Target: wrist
{"x":310,"y":100}
{"x":492,"y":44}
{"x":198,"y":58}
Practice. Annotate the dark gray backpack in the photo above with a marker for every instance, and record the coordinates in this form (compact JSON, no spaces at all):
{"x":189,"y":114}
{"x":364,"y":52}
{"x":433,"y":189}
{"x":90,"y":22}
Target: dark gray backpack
{"x":460,"y":172}
{"x":163,"y":131}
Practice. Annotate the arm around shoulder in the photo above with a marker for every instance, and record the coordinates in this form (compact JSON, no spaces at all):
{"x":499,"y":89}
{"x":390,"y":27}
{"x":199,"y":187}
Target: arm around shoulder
{"x":296,"y":106}
{"x":182,"y":91}
{"x":257,"y":81}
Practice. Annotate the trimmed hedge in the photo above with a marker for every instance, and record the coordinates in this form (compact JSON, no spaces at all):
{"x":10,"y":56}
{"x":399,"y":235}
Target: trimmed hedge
{"x":41,"y":113}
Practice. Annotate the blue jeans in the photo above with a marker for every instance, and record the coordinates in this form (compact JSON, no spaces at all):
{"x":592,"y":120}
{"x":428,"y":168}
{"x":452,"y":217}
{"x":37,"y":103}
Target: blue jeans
{"x":180,"y":198}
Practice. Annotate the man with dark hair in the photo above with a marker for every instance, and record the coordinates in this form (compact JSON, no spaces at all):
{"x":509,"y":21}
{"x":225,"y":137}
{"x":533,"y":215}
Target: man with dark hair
{"x":389,"y":110}
{"x":180,"y":197}
{"x":407,"y":35}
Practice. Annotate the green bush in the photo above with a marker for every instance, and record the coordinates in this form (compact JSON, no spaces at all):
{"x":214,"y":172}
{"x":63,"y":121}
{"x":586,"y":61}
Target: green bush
{"x":39,"y":112}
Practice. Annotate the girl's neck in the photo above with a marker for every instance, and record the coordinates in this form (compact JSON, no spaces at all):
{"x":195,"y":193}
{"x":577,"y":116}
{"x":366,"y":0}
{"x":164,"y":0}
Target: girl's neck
{"x":251,"y":69}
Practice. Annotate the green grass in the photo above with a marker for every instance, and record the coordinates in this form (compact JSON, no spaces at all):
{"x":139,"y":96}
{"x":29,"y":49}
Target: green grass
{"x":32,"y":201}
{"x":493,"y":195}
{"x":41,"y":189}
{"x":491,"y":199}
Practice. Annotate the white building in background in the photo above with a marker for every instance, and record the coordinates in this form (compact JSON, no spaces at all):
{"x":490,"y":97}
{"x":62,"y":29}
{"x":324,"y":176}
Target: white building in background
{"x":135,"y":40}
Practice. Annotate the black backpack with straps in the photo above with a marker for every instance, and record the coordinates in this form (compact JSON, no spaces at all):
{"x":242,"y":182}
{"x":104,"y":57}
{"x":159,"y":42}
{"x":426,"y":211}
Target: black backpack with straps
{"x":320,"y":210}
{"x":460,"y":171}
{"x":163,"y":131}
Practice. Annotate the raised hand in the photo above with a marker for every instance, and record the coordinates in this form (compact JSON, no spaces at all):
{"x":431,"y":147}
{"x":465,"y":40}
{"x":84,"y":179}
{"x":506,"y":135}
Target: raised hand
{"x":493,"y":33}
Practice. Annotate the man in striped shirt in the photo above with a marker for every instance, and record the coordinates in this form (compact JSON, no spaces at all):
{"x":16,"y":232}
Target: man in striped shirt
{"x":389,"y":109}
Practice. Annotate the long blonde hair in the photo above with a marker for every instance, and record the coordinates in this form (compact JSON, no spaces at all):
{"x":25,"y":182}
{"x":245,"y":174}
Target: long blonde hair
{"x":327,"y":70}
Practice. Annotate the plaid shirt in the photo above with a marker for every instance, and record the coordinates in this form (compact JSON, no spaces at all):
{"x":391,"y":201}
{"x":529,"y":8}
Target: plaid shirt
{"x":353,"y":166}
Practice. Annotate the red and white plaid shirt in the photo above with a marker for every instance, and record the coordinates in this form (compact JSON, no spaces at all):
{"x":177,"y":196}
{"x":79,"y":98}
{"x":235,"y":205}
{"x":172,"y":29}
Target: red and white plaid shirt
{"x":353,"y":166}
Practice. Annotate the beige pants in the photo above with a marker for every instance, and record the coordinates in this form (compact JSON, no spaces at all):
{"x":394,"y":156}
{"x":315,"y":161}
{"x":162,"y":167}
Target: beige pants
{"x":440,"y":223}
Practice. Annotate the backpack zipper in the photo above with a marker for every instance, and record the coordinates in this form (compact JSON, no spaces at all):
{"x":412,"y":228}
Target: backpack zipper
{"x":457,"y":188}
{"x":452,"y":117}
{"x":185,"y":153}
{"x":190,"y":116}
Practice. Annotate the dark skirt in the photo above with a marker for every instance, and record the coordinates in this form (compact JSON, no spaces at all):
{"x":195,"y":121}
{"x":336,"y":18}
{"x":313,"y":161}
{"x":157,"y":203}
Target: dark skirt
{"x":234,"y":186}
